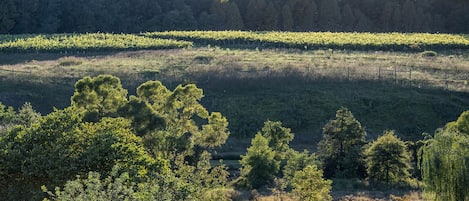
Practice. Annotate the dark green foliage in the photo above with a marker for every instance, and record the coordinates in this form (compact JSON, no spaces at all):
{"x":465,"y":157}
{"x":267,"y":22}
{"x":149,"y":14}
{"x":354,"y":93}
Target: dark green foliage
{"x":388,"y":160}
{"x":341,"y":148}
{"x":122,"y":16}
{"x":100,"y":96}
{"x":144,"y":118}
{"x":445,"y":164}
{"x":278,"y":137}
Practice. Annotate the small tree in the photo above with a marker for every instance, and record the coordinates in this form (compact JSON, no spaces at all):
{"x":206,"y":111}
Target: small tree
{"x":309,"y":185}
{"x":340,"y":150}
{"x":278,"y":137}
{"x":258,"y":165}
{"x":388,"y":159}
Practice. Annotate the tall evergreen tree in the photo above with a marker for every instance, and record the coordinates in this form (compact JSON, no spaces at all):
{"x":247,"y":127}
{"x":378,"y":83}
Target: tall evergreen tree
{"x":348,"y":17}
{"x":286,"y":18}
{"x":329,"y":15}
{"x":234,"y":20}
{"x":341,"y":148}
{"x":258,"y":165}
{"x":7,"y":16}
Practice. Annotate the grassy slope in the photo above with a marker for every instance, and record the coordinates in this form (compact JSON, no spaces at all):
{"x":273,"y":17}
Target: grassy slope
{"x":300,"y":88}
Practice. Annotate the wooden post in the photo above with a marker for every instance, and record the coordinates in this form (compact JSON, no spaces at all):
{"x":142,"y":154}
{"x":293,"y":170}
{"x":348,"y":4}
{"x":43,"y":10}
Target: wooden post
{"x":395,"y":74}
{"x":348,"y":73}
{"x":379,"y":73}
{"x":410,"y":77}
{"x":446,"y":80}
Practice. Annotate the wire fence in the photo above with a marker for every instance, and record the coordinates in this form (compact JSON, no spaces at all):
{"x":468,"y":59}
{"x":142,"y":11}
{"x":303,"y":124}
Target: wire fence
{"x":447,"y":79}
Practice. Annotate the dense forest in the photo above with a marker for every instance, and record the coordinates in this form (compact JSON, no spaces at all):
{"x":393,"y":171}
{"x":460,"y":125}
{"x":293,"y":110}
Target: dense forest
{"x":58,"y":16}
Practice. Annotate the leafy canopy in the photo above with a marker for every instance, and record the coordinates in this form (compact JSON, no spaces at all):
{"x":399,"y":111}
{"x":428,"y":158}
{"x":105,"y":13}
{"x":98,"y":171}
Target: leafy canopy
{"x":341,"y":147}
{"x":445,"y":161}
{"x":388,"y":160}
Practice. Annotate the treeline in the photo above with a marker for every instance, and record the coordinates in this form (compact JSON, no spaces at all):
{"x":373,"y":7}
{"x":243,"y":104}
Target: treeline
{"x":58,"y":16}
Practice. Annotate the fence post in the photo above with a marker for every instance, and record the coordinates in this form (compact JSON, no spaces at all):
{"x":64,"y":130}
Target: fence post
{"x":410,"y":77}
{"x":395,"y":74}
{"x":379,"y":73}
{"x":348,"y":73}
{"x":446,"y":80}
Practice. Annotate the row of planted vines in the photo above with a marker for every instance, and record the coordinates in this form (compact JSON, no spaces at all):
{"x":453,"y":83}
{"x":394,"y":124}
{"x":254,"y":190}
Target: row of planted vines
{"x":181,"y":39}
{"x":315,"y":40}
{"x":85,"y":42}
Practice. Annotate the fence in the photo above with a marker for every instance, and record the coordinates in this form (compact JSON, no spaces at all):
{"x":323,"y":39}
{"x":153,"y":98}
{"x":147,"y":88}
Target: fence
{"x":447,"y":79}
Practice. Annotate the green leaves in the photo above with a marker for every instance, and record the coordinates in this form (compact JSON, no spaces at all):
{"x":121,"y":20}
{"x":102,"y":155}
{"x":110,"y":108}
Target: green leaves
{"x":99,"y":96}
{"x":388,"y":160}
{"x":445,"y":161}
{"x":309,"y":185}
{"x":259,"y":167}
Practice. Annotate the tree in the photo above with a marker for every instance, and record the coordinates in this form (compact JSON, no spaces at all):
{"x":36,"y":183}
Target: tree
{"x":180,"y":108}
{"x":7,"y":16}
{"x":309,"y":185}
{"x":445,"y":161}
{"x":305,"y":14}
{"x":258,"y":165}
{"x":385,"y":18}
{"x":99,"y":96}
{"x":286,"y":18}
{"x":329,"y":15}
{"x":340,"y":150}
{"x":278,"y":137}
{"x":409,"y":13}
{"x":234,"y":20}
{"x":348,"y":17}
{"x":297,"y":161}
{"x":27,"y":115}
{"x":388,"y":160}
{"x":49,"y":14}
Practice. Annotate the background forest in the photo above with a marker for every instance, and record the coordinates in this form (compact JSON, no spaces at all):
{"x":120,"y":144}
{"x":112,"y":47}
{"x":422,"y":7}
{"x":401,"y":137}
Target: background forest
{"x":58,"y":16}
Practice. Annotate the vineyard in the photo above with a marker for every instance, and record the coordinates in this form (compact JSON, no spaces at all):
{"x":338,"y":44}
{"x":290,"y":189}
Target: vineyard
{"x":181,"y":39}
{"x":84,"y":42}
{"x":317,"y":40}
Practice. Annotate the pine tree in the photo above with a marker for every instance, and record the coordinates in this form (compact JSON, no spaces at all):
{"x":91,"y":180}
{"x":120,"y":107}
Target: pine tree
{"x":7,"y":16}
{"x":234,"y":21}
{"x":348,"y":17}
{"x":340,"y":150}
{"x":329,"y":15}
{"x":258,"y":165}
{"x":287,"y":18}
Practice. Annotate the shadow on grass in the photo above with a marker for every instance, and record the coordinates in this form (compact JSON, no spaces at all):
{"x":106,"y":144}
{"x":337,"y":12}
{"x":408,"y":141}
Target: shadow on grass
{"x":18,"y":58}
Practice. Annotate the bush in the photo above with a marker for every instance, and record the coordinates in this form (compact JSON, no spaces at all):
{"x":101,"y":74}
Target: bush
{"x":388,"y":160}
{"x":429,"y":54}
{"x":309,"y":185}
